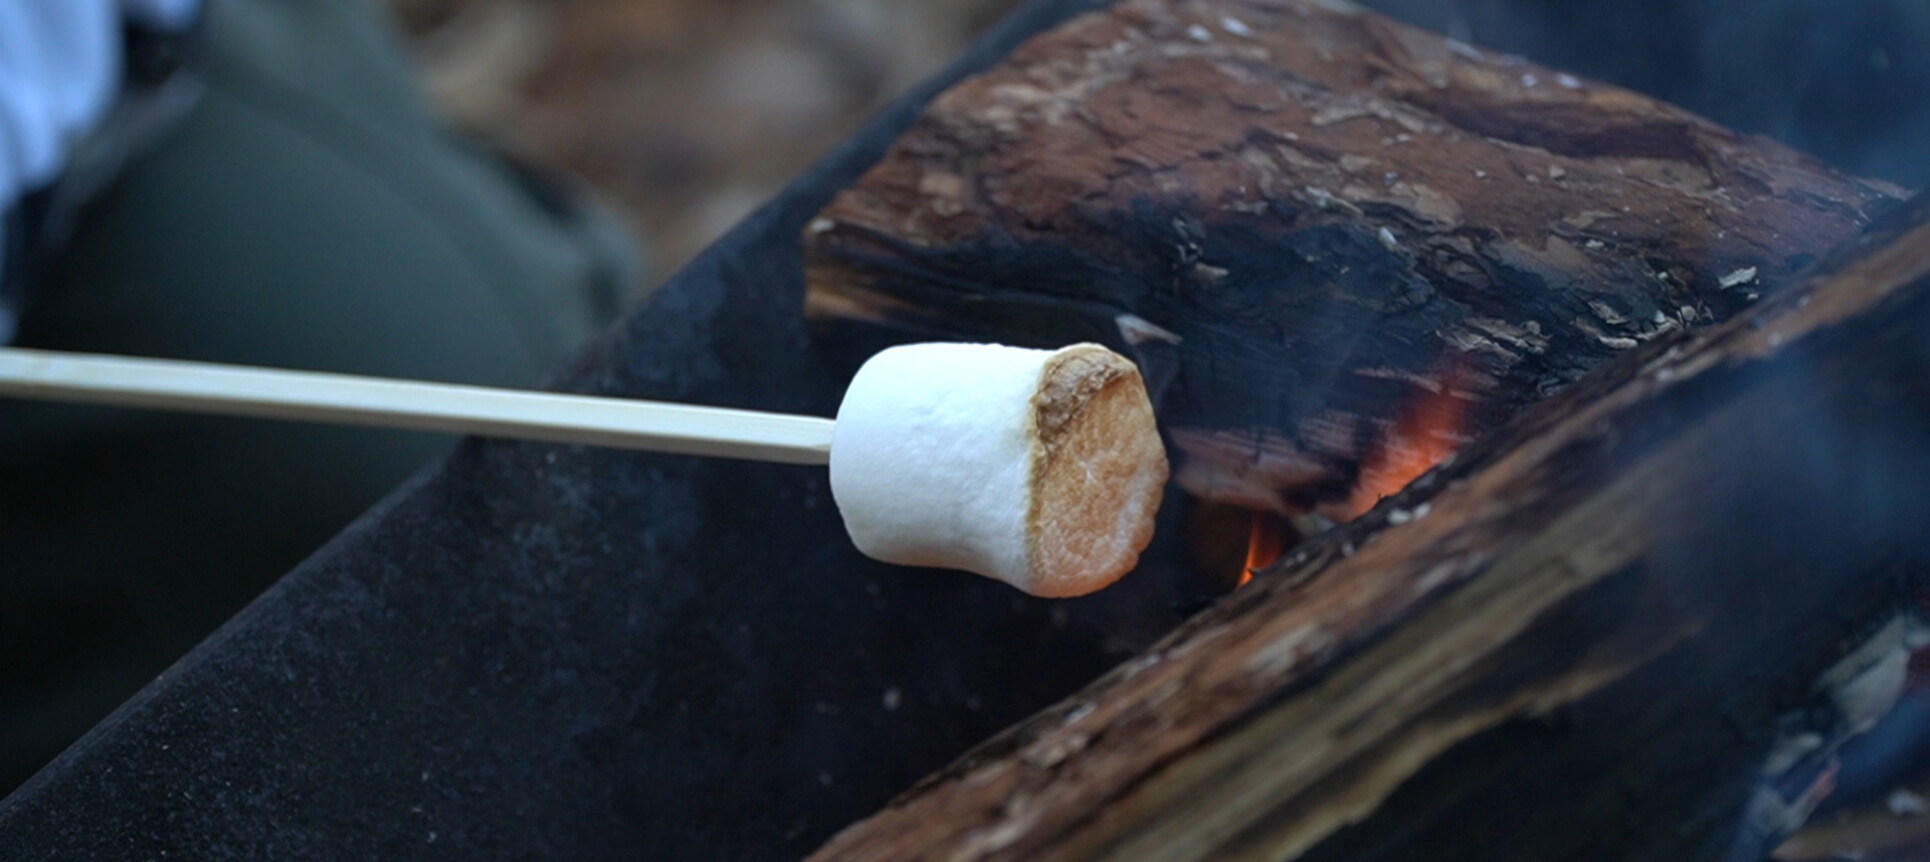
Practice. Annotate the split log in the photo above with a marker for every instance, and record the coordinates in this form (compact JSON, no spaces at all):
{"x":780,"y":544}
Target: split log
{"x":1635,"y":624}
{"x":1611,"y":632}
{"x":1333,"y":216}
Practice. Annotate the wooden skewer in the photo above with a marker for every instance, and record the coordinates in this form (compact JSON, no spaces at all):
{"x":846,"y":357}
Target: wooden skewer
{"x":351,"y":400}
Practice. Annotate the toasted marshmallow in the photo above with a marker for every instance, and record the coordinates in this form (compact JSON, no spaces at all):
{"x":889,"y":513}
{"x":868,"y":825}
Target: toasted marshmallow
{"x":1040,"y":468}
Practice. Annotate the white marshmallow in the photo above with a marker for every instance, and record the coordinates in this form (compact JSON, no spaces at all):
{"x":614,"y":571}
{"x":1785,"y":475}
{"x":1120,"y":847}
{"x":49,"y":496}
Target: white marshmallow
{"x":1040,"y":468}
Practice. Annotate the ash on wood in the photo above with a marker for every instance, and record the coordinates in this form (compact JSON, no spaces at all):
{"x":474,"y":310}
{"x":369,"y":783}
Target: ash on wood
{"x":1635,"y":624}
{"x":1332,"y":215}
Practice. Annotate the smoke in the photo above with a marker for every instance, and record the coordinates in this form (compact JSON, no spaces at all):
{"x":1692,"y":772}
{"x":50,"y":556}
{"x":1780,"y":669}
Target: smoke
{"x":1846,"y":82}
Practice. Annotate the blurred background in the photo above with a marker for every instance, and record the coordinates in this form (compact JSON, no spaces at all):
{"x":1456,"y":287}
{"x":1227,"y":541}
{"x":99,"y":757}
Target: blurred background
{"x":686,"y":113}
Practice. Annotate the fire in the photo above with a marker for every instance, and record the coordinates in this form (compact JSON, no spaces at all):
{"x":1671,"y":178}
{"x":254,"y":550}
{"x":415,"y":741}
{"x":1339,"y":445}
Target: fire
{"x":1432,"y":427}
{"x":1265,"y":542}
{"x":1430,"y":430}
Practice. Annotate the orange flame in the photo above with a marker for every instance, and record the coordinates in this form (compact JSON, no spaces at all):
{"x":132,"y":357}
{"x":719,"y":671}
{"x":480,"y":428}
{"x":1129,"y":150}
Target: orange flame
{"x":1265,"y":542}
{"x":1432,"y":427}
{"x":1429,"y":431}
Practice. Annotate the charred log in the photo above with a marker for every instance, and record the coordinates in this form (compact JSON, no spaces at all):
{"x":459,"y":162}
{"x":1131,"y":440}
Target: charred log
{"x":1304,"y":220}
{"x":1636,"y":624}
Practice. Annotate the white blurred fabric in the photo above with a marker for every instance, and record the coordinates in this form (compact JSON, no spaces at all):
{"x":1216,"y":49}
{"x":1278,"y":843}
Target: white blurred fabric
{"x":60,"y":65}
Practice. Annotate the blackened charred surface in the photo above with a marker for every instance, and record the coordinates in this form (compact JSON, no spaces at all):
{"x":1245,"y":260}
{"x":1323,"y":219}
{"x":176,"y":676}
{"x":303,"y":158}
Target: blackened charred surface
{"x":1618,"y":609}
{"x":1318,"y":334}
{"x":1331,"y":210}
{"x":1851,"y":470}
{"x":997,"y":287}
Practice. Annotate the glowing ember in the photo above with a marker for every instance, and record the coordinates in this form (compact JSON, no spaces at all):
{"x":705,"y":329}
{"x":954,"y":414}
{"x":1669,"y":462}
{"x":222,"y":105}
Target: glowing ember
{"x":1266,"y":541}
{"x":1427,"y":433}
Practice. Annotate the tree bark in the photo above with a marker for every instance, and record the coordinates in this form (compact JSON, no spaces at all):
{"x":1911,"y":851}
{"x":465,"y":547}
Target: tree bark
{"x":1305,"y":221}
{"x":1634,"y":624}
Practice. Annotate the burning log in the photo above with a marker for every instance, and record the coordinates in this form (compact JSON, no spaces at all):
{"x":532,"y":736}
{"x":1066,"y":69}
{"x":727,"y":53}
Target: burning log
{"x":1635,"y":624}
{"x":1638,"y":624}
{"x":1338,"y":246}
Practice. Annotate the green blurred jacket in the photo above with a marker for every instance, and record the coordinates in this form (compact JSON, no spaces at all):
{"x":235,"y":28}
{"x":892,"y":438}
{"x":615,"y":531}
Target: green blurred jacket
{"x":307,"y":212}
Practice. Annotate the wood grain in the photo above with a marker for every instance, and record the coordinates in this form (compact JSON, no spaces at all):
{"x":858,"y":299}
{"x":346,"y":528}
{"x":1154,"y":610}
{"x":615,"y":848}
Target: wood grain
{"x":1333,"y":216}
